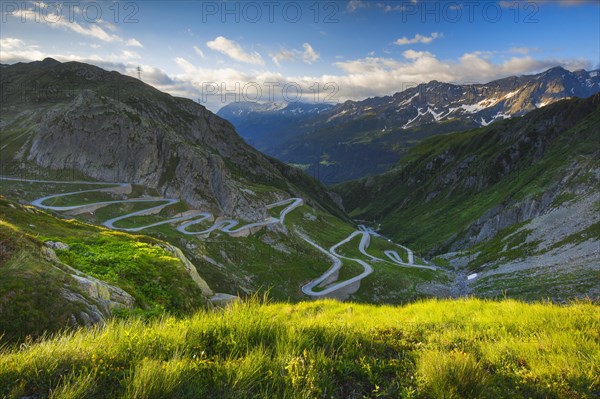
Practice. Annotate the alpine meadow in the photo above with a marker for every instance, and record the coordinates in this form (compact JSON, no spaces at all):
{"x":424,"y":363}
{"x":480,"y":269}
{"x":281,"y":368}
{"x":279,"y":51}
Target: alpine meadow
{"x":339,"y":199}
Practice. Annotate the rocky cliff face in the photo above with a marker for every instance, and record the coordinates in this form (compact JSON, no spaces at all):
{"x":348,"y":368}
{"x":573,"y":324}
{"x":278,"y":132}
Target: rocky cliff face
{"x":115,"y":128}
{"x":111,"y":141}
{"x":96,"y":299}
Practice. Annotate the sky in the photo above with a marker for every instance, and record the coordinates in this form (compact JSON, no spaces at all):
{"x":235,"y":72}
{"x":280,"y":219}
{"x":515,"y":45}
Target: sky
{"x":216,"y":52}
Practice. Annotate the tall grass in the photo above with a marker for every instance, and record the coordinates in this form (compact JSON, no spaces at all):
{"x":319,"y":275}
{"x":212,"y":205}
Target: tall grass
{"x":324,"y":349}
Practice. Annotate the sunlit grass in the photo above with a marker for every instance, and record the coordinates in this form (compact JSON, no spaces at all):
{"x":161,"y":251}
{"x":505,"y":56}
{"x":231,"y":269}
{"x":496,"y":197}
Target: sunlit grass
{"x":435,"y":349}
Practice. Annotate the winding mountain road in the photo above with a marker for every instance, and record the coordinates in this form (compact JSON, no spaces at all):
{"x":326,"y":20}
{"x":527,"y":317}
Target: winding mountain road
{"x":308,"y":289}
{"x":225,"y":226}
{"x":328,"y":280}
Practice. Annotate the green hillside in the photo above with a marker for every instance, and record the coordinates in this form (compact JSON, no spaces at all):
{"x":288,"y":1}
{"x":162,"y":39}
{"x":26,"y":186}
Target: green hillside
{"x":272,"y":258}
{"x":449,"y":182}
{"x":45,"y":290}
{"x":434,"y":349}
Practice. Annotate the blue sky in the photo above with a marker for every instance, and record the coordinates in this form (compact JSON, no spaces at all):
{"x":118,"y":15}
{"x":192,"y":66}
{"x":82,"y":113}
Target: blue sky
{"x":340,"y":50}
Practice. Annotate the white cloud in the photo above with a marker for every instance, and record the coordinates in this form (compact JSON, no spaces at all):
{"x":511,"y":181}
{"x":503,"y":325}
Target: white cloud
{"x":419,"y":39}
{"x":126,"y":55}
{"x":357,"y":79}
{"x":94,"y":31}
{"x":17,"y":50}
{"x":413,"y":55}
{"x":354,"y":5}
{"x":308,"y":55}
{"x":367,"y":65}
{"x":98,"y":30}
{"x":199,"y":52}
{"x":133,"y":43}
{"x":11,"y":43}
{"x":284,"y":55}
{"x":234,"y":51}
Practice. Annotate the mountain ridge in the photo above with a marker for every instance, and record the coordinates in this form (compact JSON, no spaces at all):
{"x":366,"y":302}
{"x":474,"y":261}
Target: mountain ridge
{"x":349,"y":136}
{"x":112,"y":127}
{"x":515,"y":202}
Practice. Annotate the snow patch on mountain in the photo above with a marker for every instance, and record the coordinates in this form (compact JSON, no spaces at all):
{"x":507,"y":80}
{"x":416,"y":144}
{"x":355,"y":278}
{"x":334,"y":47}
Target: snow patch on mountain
{"x":408,"y":101}
{"x":541,"y":104}
{"x":511,"y":94}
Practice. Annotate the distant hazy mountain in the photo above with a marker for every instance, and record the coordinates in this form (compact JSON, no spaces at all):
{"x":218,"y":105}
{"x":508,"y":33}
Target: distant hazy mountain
{"x":269,"y":124}
{"x":359,"y":138}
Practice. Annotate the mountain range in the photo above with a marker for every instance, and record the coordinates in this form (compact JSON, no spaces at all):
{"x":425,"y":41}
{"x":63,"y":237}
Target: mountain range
{"x":341,"y":142}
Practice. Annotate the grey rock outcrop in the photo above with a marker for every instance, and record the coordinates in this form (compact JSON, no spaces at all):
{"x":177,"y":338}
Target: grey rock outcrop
{"x":190,"y":269}
{"x":222,"y":300}
{"x":96,"y":298}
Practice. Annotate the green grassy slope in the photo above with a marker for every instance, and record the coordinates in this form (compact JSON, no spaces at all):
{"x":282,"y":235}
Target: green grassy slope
{"x":434,"y":349}
{"x":448,"y":182}
{"x":30,"y":288}
{"x":274,"y":259}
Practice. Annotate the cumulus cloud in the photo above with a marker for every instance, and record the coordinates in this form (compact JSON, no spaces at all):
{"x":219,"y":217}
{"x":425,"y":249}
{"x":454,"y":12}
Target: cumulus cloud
{"x":11,"y":43}
{"x":17,"y":50}
{"x":234,"y":51}
{"x":418,"y":39}
{"x":284,"y":55}
{"x":309,"y":56}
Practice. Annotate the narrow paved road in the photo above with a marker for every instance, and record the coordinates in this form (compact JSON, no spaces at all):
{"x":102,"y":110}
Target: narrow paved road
{"x":226,"y":226}
{"x":366,"y":233}
{"x":308,"y":289}
{"x":393,"y":255}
